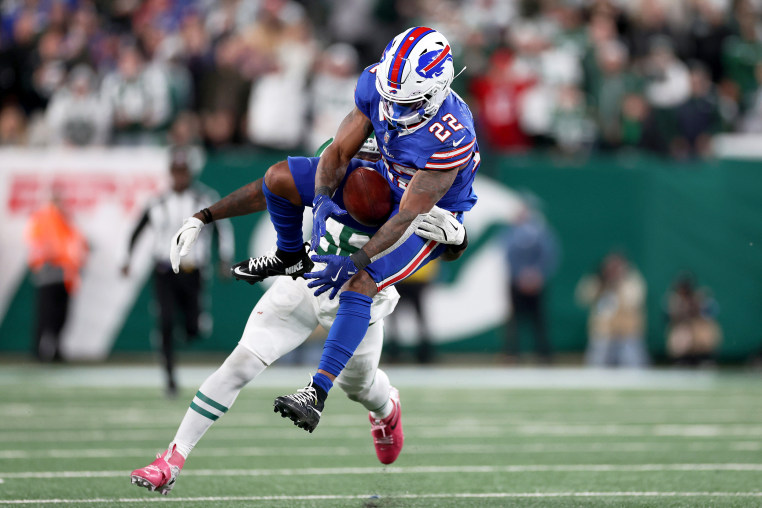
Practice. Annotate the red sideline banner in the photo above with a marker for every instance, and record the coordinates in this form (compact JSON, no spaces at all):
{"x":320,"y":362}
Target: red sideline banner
{"x":102,"y":191}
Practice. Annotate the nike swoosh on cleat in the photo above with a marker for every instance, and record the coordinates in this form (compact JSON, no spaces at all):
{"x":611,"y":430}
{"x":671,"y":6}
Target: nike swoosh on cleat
{"x":238,"y":271}
{"x":393,"y":425}
{"x":456,"y":143}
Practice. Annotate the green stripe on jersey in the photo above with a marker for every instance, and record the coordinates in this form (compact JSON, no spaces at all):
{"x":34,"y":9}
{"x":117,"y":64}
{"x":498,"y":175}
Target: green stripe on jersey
{"x":216,"y":405}
{"x":341,"y":239}
{"x":203,"y":412}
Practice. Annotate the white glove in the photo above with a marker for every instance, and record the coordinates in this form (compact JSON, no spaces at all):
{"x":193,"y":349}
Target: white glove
{"x":441,"y":226}
{"x":183,"y":241}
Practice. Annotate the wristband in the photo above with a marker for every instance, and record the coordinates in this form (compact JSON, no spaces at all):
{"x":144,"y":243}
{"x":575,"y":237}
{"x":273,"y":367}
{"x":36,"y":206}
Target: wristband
{"x":207,"y":216}
{"x":324,"y":190}
{"x":461,"y":246}
{"x":360,"y":259}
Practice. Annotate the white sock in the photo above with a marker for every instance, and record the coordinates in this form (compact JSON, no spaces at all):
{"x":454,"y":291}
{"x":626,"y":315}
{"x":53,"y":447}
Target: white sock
{"x":215,"y":396}
{"x":384,"y":410}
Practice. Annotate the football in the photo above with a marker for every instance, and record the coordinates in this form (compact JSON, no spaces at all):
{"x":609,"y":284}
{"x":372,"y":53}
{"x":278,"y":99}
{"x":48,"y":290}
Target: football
{"x":367,"y":197}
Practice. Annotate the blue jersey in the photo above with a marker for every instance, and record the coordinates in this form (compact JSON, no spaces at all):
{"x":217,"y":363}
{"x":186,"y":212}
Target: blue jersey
{"x":447,"y":141}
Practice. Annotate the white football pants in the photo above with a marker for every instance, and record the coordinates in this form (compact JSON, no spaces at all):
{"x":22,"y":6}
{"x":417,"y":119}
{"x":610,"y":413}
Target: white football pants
{"x":287,"y":314}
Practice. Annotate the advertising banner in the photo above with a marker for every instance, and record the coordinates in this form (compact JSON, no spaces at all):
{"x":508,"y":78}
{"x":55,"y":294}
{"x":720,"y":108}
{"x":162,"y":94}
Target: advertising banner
{"x":101,"y":191}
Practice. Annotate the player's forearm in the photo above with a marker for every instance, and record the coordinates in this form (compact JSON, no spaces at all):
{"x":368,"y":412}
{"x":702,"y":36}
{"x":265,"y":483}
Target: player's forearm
{"x":396,"y":228}
{"x":331,"y":169}
{"x":389,"y":233}
{"x":139,"y":227}
{"x":422,"y":193}
{"x":248,"y":199}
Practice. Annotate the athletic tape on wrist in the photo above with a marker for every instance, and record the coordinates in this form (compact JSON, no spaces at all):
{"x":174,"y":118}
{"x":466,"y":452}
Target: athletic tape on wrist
{"x":207,"y":216}
{"x":360,"y":259}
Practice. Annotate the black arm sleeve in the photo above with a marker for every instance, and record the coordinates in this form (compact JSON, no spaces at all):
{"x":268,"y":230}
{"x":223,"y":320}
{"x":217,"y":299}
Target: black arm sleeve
{"x":138,"y":229}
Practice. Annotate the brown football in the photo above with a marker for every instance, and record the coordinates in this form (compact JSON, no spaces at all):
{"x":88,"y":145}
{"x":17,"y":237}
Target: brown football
{"x":367,"y":197}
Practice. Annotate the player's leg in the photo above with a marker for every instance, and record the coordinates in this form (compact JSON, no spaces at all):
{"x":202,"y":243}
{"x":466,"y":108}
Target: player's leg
{"x":425,"y":351}
{"x":353,"y":316}
{"x":283,"y":192}
{"x":52,"y":307}
{"x":365,"y":383}
{"x":163,"y":285}
{"x":286,"y":208}
{"x":280,"y":321}
{"x":361,"y":379}
{"x":352,"y":320}
{"x":542,"y":342}
{"x":189,"y":288}
{"x":512,"y":330}
{"x":288,"y":187}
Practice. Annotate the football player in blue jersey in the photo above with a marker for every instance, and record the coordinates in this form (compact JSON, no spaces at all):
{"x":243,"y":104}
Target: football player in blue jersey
{"x":429,"y":156}
{"x":282,"y":319}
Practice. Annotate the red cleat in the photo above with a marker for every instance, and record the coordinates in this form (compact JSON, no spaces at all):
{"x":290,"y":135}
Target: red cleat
{"x":161,"y":474}
{"x":387,"y":433}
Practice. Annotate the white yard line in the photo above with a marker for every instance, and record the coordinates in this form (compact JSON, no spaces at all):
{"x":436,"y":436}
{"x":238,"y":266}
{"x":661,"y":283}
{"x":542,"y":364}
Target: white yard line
{"x":106,"y":376}
{"x":285,"y":433}
{"x":71,"y":418}
{"x":445,"y":495}
{"x":235,"y":433}
{"x":693,"y":430}
{"x":465,"y":428}
{"x":453,"y":449}
{"x":232,"y":431}
{"x":582,"y":468}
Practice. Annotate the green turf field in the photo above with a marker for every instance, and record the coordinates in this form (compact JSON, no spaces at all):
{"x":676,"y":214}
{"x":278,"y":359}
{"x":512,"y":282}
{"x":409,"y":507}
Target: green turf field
{"x":478,"y":437}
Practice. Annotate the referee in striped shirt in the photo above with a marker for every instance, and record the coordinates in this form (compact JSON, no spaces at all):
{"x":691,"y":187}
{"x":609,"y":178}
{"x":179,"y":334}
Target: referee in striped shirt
{"x":181,"y":292}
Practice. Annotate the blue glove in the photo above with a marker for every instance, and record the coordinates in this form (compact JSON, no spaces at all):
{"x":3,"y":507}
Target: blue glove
{"x":322,"y":208}
{"x":338,"y":270}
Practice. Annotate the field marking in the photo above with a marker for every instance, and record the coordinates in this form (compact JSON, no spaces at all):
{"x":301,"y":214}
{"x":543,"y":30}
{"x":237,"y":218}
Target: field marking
{"x":234,"y":432}
{"x":473,"y":428}
{"x":283,"y":433}
{"x":340,"y":497}
{"x":455,"y":449}
{"x":583,"y":468}
{"x":45,"y":421}
{"x":692,"y":430}
{"x":571,"y":378}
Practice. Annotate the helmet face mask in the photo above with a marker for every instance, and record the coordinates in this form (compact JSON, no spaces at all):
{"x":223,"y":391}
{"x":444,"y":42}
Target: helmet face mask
{"x":414,"y":77}
{"x":403,"y":115}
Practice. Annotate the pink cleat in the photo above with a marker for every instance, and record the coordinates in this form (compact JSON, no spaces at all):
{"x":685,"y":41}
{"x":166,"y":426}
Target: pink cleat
{"x":162,"y":473}
{"x":387,"y":433}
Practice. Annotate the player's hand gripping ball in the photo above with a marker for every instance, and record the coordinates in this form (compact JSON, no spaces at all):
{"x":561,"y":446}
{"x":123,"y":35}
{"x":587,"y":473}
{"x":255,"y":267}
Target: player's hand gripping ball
{"x":367,"y":197}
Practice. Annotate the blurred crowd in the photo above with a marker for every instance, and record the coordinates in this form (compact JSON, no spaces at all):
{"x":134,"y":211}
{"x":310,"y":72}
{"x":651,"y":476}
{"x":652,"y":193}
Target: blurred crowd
{"x":616,"y":297}
{"x":570,"y":75}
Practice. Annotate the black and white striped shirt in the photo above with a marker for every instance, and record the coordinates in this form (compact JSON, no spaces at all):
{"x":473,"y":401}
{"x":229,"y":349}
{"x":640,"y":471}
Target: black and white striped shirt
{"x":166,"y":213}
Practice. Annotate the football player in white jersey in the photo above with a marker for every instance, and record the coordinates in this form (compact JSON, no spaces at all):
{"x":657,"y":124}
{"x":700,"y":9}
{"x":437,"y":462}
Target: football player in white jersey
{"x":283,"y":318}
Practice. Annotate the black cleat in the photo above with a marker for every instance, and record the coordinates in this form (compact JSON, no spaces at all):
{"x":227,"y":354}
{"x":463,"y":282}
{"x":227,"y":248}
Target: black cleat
{"x":303,"y":407}
{"x":254,"y":270}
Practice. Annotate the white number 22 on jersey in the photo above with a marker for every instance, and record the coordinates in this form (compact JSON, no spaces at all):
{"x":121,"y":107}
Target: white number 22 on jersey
{"x":441,"y":132}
